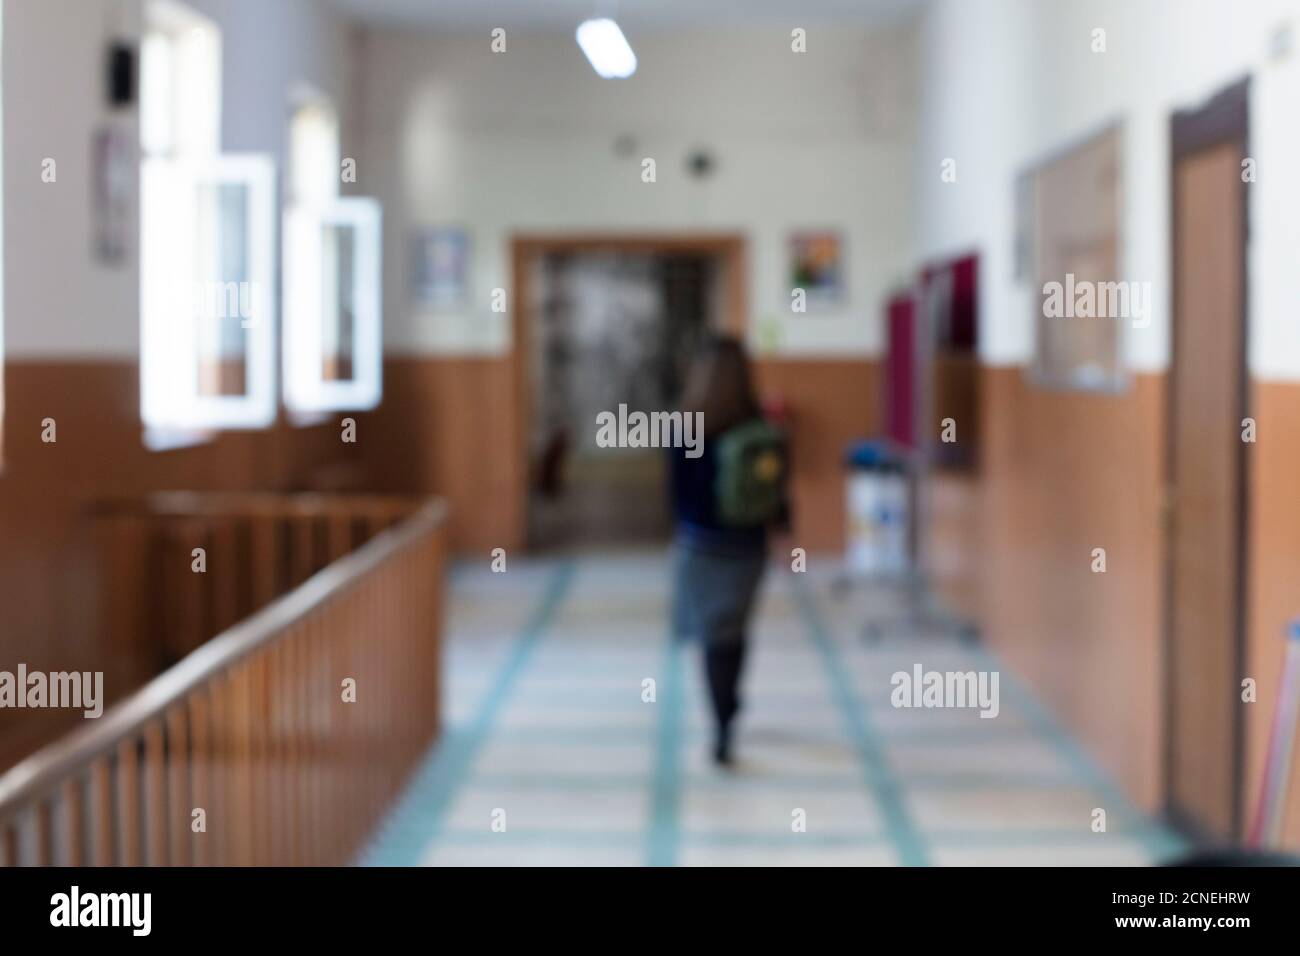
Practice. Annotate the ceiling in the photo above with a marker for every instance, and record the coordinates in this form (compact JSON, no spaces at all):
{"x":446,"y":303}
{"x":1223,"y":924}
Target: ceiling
{"x":567,"y":14}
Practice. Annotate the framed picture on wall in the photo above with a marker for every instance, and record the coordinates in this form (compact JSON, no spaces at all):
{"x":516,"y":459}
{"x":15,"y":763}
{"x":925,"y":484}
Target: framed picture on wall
{"x":440,"y":267}
{"x":816,"y":265}
{"x":113,"y":163}
{"x":1026,"y":187}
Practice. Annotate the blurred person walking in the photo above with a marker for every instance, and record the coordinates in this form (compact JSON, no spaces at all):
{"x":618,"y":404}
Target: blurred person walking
{"x":723,"y":502}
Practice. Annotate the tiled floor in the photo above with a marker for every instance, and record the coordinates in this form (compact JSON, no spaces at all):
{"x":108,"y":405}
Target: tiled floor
{"x":552,"y":756}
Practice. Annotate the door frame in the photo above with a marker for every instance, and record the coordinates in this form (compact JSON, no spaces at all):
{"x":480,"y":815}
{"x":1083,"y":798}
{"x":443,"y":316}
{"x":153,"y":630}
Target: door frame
{"x":1223,"y":118}
{"x":526,"y":249}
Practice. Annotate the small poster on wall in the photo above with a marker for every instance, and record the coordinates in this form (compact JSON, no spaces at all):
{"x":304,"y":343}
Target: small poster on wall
{"x":112,"y":164}
{"x":440,"y":267}
{"x":816,"y":265}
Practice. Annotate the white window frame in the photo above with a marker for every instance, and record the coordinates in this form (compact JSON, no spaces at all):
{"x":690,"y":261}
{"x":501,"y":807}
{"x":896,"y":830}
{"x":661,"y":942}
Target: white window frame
{"x":306,"y":302}
{"x":313,"y":187}
{"x":170,"y":394}
{"x":314,"y":162}
{"x":180,"y":146}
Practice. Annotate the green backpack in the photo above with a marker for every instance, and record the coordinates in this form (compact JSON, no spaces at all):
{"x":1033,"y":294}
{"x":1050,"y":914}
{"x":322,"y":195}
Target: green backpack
{"x":749,"y":484}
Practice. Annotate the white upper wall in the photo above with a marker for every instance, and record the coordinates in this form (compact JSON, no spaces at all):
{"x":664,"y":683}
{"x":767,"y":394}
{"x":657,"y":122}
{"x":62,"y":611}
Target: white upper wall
{"x":1005,"y":83}
{"x":566,"y":14}
{"x":59,"y":302}
{"x":523,"y":141}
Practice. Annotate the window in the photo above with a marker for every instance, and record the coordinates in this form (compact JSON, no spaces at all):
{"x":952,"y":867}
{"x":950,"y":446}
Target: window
{"x":313,"y":151}
{"x":207,"y":260}
{"x":332,"y":353}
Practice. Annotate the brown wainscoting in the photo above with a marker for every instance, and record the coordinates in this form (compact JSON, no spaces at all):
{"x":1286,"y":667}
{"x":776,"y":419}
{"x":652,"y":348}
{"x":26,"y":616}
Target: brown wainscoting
{"x":1273,"y":570}
{"x":832,"y":402}
{"x":448,"y":426}
{"x":955,"y":547}
{"x":48,"y":579}
{"x":1063,"y":473}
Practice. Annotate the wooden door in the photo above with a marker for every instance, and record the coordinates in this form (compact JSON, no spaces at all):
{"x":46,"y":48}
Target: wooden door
{"x":1207,"y":486}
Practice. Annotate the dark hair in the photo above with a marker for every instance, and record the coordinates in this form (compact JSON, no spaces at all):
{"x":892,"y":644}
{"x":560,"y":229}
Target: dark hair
{"x":719,"y":385}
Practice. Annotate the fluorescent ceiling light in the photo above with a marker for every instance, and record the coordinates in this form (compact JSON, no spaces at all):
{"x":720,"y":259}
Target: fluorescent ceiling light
{"x":607,"y":49}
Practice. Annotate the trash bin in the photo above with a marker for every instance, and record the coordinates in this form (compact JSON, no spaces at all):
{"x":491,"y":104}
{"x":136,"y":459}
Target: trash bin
{"x":877,"y":505}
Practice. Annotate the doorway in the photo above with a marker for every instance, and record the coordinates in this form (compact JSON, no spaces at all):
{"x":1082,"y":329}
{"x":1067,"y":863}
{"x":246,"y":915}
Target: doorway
{"x":1206,"y":504}
{"x":603,"y":322}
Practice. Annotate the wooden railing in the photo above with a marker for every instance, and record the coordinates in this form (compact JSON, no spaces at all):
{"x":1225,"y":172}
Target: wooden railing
{"x":252,"y":750}
{"x":158,"y":606}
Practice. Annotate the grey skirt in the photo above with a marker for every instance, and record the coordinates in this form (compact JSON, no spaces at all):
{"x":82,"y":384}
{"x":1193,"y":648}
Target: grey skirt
{"x":714,"y":591}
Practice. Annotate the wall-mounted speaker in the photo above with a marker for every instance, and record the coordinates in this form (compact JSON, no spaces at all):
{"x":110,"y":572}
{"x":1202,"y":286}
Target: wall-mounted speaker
{"x":121,"y":75}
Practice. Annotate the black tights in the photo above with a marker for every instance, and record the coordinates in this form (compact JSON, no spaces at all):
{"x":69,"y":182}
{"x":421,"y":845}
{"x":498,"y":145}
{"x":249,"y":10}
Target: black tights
{"x":722,"y":666}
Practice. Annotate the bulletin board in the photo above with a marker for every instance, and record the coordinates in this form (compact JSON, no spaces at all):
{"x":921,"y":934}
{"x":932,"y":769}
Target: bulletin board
{"x":1070,"y":207}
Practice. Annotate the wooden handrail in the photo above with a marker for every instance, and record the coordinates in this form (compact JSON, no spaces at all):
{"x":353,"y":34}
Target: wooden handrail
{"x":216,"y":711}
{"x":35,"y":774}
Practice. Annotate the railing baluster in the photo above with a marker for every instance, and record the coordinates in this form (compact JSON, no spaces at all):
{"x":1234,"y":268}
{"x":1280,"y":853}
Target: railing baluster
{"x":128,"y":801}
{"x":178,"y":787}
{"x":240,"y":716}
{"x":185,"y":587}
{"x":200,"y":775}
{"x":252,"y":730}
{"x":220,"y":828}
{"x":276,"y":748}
{"x":74,"y":817}
{"x":338,"y":534}
{"x":258,"y":790}
{"x":9,"y":844}
{"x":302,"y":547}
{"x":309,"y":669}
{"x":322,"y":740}
{"x":155,"y":774}
{"x":267,"y":558}
{"x":225,"y":569}
{"x":350,"y":763}
{"x":291,"y":695}
{"x":43,"y":817}
{"x":101,"y":785}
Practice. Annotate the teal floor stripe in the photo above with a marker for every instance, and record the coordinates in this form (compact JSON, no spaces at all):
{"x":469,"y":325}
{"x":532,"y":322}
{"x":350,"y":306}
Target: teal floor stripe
{"x":438,"y":781}
{"x":1158,"y":840}
{"x":661,"y":848}
{"x":420,"y":821}
{"x":995,"y":838}
{"x":838,"y":782}
{"x":565,"y":781}
{"x":748,"y":839}
{"x":599,"y":838}
{"x":595,"y":838}
{"x":1044,"y":838}
{"x":880,"y":779}
{"x":575,"y":736}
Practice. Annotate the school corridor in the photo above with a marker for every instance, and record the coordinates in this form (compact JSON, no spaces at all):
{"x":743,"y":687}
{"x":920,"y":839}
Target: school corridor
{"x":363,"y":362}
{"x":555,"y":752}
